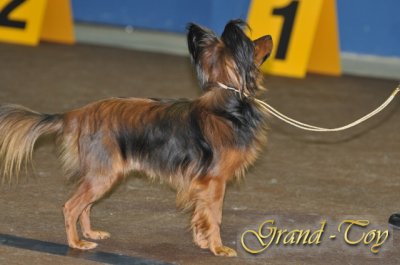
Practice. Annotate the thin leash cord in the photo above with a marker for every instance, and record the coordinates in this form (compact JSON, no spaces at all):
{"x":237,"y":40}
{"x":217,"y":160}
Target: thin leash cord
{"x":268,"y":108}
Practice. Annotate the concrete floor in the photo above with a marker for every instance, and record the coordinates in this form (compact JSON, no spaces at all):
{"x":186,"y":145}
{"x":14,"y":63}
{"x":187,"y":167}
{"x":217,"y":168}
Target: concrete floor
{"x":300,"y":179}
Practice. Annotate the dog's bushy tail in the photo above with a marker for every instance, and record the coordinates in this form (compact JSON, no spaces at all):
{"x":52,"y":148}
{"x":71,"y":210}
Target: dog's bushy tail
{"x":20,"y":127}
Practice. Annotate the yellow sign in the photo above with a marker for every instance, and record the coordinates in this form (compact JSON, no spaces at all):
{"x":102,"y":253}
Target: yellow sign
{"x":304,"y":33}
{"x":25,"y":21}
{"x":21,"y":20}
{"x":58,"y":24}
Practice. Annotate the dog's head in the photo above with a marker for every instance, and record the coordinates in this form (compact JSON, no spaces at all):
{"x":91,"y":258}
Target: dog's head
{"x":233,"y":59}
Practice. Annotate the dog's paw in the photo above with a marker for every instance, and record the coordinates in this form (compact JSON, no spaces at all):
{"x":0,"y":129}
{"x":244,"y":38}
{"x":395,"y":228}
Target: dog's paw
{"x":200,"y":240}
{"x":224,"y":251}
{"x":202,"y":243}
{"x":83,"y":245}
{"x":97,"y":235}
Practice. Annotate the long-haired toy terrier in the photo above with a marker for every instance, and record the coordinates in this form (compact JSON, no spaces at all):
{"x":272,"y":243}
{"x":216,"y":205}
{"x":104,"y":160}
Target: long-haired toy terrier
{"x":196,"y":145}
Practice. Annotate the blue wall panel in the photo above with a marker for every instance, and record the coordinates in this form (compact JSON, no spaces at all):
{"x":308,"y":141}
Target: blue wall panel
{"x":167,"y":15}
{"x":370,"y":27}
{"x":366,"y":26}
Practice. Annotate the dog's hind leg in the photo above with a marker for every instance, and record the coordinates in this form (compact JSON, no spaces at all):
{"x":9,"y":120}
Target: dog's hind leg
{"x":90,"y":190}
{"x":208,"y":195}
{"x":87,"y":230}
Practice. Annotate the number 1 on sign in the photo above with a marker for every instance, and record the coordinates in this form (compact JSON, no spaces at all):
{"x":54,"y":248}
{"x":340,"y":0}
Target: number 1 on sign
{"x":289,"y":13}
{"x":292,"y":25}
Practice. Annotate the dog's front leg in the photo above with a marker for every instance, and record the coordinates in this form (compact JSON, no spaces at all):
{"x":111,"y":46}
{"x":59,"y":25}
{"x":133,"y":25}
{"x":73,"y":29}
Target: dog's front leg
{"x":208,"y":194}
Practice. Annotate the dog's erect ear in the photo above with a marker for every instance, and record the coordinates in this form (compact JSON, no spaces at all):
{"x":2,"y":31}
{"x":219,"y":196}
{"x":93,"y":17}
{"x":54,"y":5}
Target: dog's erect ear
{"x":263,"y":48}
{"x":198,"y":38}
{"x":242,"y":50}
{"x":236,"y":40}
{"x":233,"y":33}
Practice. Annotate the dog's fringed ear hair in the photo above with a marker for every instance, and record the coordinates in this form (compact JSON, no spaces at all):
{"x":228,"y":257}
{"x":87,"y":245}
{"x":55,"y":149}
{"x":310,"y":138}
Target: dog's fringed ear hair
{"x":242,"y":49}
{"x":198,"y":38}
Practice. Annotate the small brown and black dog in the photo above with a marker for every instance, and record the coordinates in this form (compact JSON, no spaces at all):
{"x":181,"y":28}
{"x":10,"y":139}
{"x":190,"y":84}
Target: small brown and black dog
{"x":197,"y":145}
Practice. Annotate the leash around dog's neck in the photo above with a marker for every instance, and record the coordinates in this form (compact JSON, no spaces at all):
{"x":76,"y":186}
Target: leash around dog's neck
{"x":268,"y":108}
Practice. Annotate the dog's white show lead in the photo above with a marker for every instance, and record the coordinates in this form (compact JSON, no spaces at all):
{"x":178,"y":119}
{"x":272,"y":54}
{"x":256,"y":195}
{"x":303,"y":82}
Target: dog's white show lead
{"x":309,"y":127}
